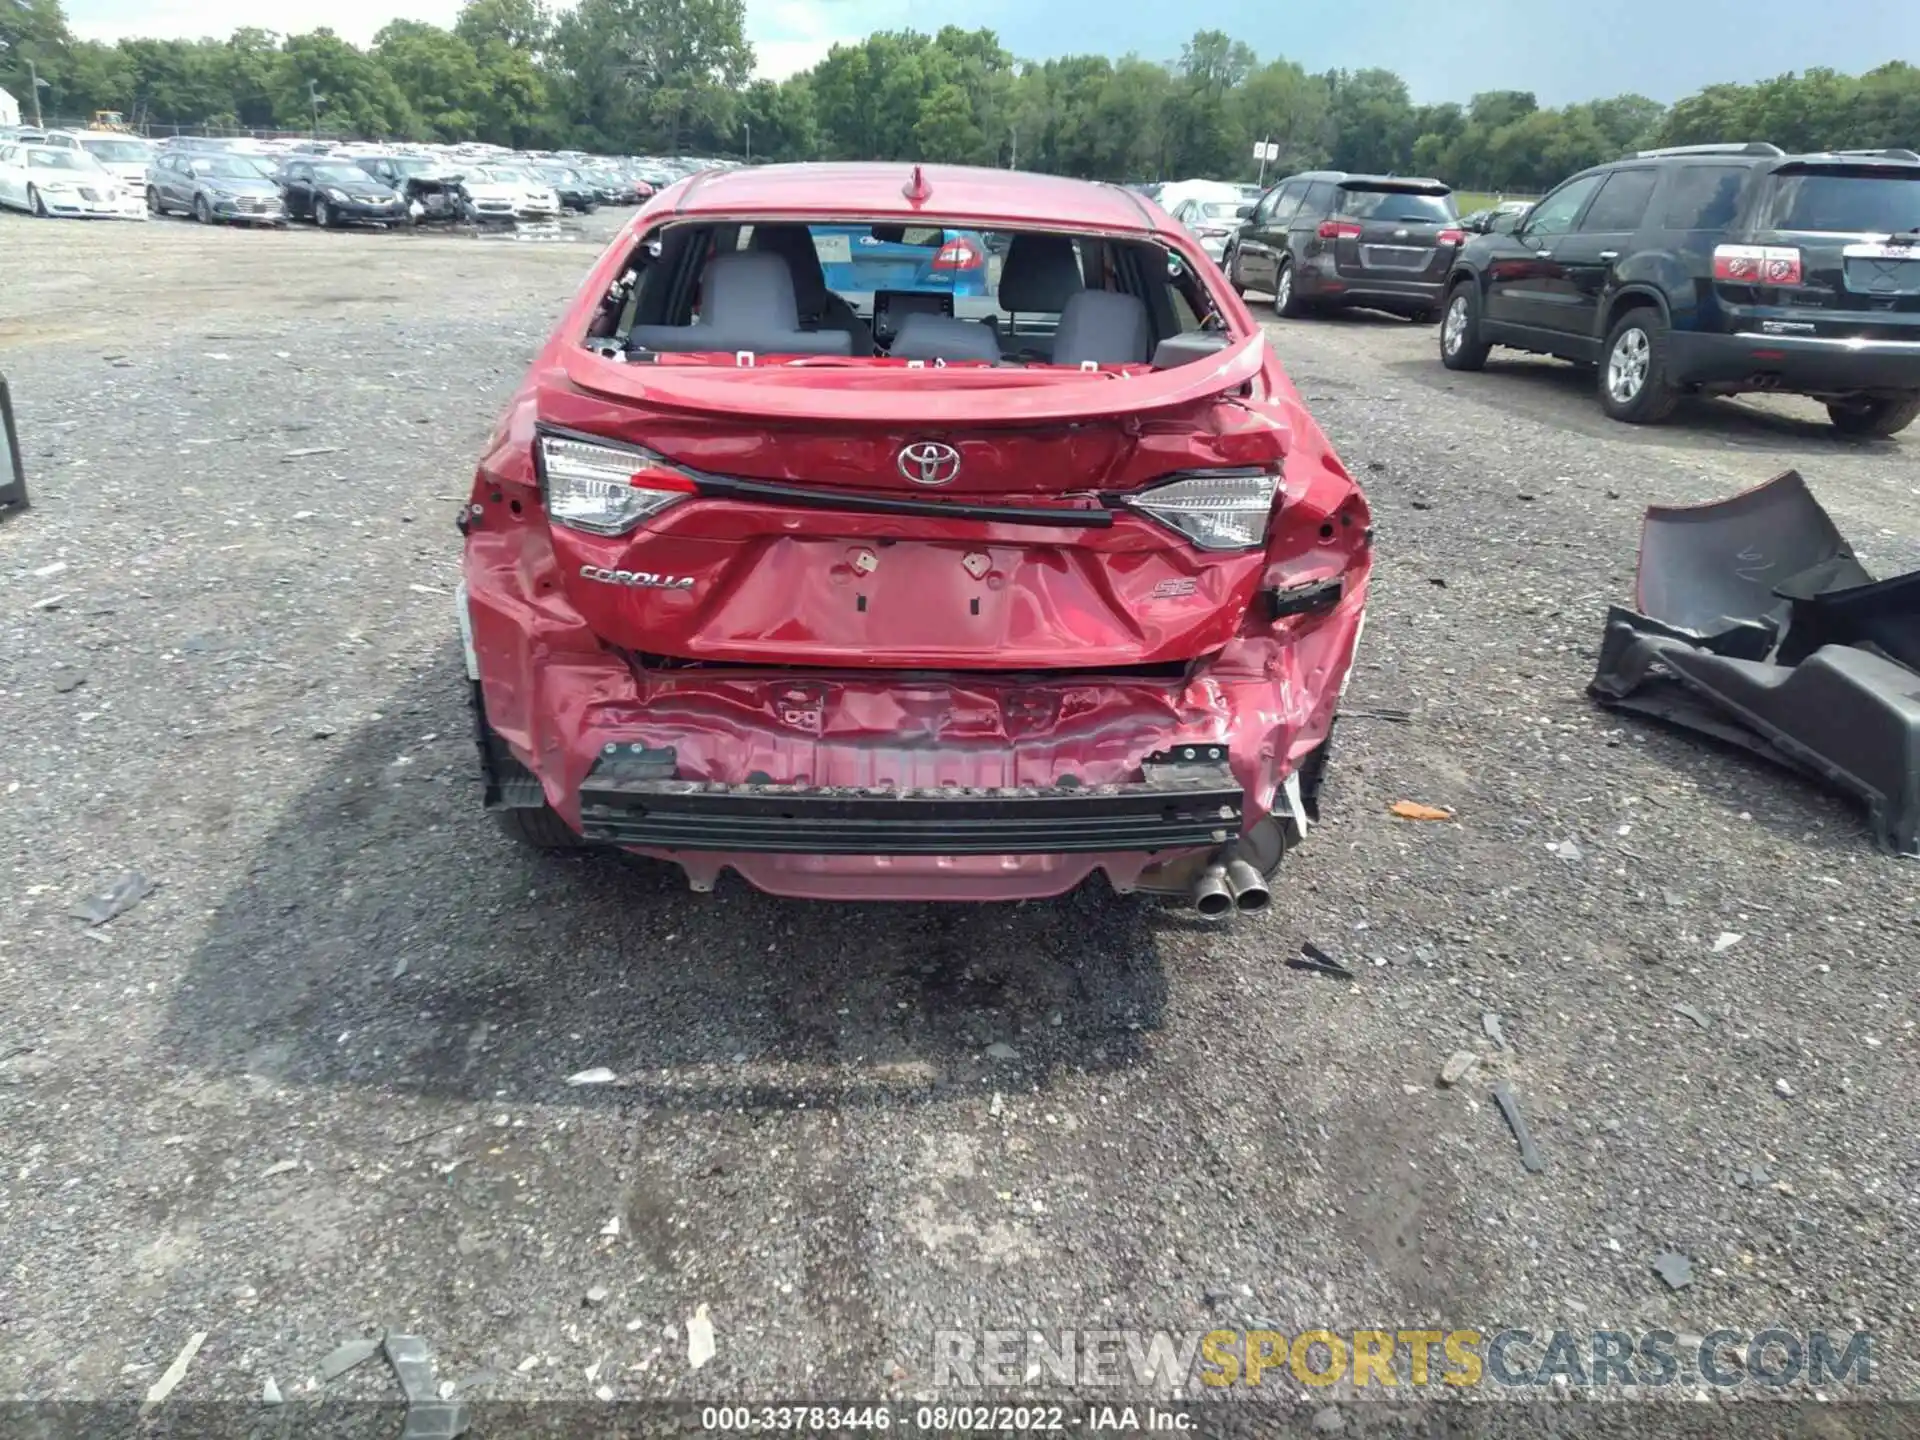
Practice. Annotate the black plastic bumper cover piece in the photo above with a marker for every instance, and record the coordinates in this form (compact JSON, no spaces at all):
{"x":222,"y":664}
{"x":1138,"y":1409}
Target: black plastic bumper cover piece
{"x":13,"y":479}
{"x":1194,"y":805}
{"x":506,"y":783}
{"x":1763,"y":630}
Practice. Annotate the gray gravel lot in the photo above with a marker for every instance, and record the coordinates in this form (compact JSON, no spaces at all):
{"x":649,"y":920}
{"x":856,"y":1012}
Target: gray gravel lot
{"x":314,"y":1085}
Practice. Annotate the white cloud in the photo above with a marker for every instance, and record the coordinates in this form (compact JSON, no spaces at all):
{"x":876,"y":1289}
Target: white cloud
{"x":354,"y":20}
{"x":793,"y":35}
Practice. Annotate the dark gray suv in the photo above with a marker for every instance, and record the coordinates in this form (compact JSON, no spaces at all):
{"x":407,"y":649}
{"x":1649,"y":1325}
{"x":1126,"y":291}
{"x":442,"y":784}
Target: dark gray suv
{"x":1713,"y":270}
{"x":1327,"y":239}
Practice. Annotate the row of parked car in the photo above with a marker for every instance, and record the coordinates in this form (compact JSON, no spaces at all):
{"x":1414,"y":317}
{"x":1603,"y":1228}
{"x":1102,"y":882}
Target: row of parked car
{"x":116,"y":175}
{"x":1700,"y":269}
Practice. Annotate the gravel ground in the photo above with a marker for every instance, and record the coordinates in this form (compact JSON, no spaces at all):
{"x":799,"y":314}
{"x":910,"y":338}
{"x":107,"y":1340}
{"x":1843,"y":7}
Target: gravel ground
{"x":314,"y":1085}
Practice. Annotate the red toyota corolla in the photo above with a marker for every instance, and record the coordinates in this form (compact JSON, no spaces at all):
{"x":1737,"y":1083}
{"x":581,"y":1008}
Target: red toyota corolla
{"x":898,"y":595}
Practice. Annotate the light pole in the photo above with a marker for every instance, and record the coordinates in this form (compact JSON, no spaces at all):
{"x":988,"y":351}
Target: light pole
{"x":38,"y":86}
{"x":313,"y":94}
{"x":749,"y":125}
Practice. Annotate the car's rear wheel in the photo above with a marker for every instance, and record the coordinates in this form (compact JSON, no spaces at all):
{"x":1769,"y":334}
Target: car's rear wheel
{"x":1880,"y":415}
{"x":202,"y":211}
{"x":1633,"y":369}
{"x":540,"y":829}
{"x":1286,"y":300}
{"x":154,"y":207}
{"x":1461,"y":344}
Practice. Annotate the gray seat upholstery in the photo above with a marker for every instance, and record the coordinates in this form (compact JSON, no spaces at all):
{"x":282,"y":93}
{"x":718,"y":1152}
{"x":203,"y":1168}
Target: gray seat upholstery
{"x":1105,"y":327}
{"x":942,"y":337}
{"x":746,"y":303}
{"x":820,"y":308}
{"x":1041,"y":273}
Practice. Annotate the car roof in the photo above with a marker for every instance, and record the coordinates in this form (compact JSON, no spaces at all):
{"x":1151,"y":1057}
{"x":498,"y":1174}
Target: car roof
{"x":877,"y":190}
{"x":1758,"y":154}
{"x":1398,"y":182}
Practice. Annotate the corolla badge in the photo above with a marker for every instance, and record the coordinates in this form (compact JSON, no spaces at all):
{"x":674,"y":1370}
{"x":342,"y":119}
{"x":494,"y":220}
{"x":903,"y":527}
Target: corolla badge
{"x":929,"y":462}
{"x":640,"y":579}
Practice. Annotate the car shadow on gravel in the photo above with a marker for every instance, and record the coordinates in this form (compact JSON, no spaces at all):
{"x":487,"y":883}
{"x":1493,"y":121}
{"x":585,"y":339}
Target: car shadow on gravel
{"x":386,"y":935}
{"x":1368,"y":319}
{"x":1562,"y":394}
{"x":1731,"y":782}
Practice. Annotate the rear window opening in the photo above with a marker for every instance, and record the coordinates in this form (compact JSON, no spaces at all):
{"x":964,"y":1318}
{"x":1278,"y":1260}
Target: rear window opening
{"x":1843,"y":201}
{"x":1396,"y":206}
{"x":927,"y":294}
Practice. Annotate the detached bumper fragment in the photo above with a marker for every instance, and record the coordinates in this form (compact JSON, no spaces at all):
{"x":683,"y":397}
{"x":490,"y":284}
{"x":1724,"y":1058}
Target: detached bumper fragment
{"x":1761,"y":629}
{"x":13,"y":474}
{"x":1188,"y":798}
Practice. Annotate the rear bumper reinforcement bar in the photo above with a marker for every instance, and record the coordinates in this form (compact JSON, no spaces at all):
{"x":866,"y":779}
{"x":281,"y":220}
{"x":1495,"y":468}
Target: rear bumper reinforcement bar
{"x":1193,"y":805}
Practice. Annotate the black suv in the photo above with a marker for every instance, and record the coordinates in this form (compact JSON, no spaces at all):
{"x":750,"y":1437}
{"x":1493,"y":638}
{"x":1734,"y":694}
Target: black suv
{"x":1327,"y":239}
{"x":1713,"y":269}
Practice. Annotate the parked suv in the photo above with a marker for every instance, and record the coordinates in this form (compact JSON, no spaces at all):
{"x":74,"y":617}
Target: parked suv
{"x":1713,"y":269}
{"x":1327,"y":239}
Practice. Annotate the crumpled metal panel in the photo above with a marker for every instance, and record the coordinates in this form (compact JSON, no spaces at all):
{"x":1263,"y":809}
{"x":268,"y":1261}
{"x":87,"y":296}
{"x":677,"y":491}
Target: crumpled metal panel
{"x":1759,"y":627}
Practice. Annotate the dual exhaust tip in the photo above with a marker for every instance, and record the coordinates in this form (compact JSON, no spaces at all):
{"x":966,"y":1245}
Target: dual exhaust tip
{"x":1227,"y":886}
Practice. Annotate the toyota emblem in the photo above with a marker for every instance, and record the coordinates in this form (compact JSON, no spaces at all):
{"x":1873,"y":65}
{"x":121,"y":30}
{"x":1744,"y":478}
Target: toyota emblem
{"x":929,"y":462}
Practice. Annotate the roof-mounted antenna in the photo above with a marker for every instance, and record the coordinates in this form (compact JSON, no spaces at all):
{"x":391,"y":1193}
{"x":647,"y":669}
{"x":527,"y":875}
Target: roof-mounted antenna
{"x":917,"y":189}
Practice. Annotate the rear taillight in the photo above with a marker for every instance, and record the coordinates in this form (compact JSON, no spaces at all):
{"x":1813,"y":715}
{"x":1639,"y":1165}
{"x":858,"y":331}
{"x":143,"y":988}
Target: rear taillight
{"x":1339,"y":230}
{"x":606,"y":489}
{"x":1223,"y":511}
{"x":1756,"y":265}
{"x":1451,"y":237}
{"x":957,"y":255}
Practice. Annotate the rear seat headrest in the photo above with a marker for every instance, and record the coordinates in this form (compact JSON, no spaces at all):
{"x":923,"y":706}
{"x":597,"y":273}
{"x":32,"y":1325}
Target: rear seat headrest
{"x":1041,"y":273}
{"x":1105,"y":327}
{"x":942,"y":337}
{"x":750,"y":287}
{"x":794,"y":244}
{"x":746,"y":303}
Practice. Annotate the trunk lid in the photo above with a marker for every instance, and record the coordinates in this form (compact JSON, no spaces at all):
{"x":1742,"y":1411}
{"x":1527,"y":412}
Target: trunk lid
{"x":1393,"y":230}
{"x":818,"y":537}
{"x":1855,"y":230}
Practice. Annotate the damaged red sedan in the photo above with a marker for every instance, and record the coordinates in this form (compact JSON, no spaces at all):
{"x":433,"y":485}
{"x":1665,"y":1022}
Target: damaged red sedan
{"x":912,"y":594}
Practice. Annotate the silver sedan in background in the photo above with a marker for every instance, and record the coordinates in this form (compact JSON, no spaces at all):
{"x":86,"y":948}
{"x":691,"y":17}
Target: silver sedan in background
{"x":1212,"y":222}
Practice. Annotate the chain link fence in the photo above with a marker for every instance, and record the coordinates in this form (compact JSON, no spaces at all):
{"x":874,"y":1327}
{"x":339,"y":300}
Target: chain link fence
{"x":160,"y":130}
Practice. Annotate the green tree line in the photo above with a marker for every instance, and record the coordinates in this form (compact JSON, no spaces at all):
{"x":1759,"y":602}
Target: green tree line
{"x":675,"y":77}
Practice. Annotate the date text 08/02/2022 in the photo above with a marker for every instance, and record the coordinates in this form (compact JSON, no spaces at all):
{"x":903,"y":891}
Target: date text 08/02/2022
{"x":943,"y":1419}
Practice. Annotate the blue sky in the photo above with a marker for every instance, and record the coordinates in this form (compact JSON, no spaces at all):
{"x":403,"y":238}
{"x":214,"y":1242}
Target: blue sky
{"x":1562,"y":51}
